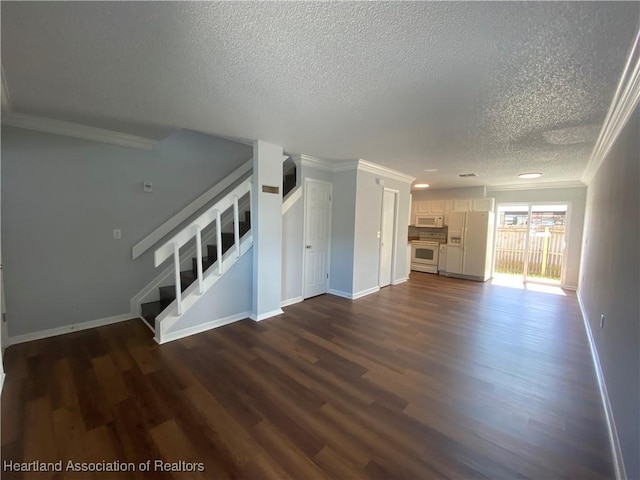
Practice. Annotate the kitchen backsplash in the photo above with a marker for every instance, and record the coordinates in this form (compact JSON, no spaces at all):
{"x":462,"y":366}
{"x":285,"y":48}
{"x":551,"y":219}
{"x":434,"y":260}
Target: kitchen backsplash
{"x":415,"y":231}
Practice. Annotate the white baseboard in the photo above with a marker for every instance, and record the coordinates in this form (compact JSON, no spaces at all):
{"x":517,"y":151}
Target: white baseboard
{"x":616,"y":450}
{"x":187,"y":332}
{"x":400,"y":280}
{"x":264,"y":316}
{"x":363,"y":293}
{"x":291,"y":301}
{"x":101,"y":322}
{"x":354,"y":296}
{"x":339,"y":293}
{"x":569,"y":287}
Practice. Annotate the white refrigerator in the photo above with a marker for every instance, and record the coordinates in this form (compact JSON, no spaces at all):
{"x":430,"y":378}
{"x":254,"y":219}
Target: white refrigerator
{"x":470,"y":245}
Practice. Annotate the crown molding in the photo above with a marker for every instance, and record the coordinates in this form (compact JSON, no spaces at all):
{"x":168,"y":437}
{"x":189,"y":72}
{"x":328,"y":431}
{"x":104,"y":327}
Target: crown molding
{"x":346,"y":165}
{"x":68,"y":129}
{"x":622,"y":107}
{"x":536,"y":186}
{"x":385,"y":171}
{"x":314,"y":162}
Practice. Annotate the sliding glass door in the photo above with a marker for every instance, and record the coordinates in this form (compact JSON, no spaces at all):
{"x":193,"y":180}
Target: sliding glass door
{"x":530,"y":242}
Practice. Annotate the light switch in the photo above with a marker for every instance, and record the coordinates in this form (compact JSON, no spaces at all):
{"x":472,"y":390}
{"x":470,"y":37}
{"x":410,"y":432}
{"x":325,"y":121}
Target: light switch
{"x":378,"y":234}
{"x":117,"y":234}
{"x":147,"y":187}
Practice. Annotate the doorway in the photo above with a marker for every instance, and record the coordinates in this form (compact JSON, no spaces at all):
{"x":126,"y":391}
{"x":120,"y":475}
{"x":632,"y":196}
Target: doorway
{"x":530,"y":242}
{"x":388,"y":230}
{"x":317,"y":235}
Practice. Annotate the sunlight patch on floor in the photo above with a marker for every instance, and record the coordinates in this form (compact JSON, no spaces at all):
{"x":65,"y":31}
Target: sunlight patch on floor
{"x":515,"y":281}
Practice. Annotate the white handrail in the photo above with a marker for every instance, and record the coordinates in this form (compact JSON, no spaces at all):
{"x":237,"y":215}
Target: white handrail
{"x":186,"y":234}
{"x":166,"y":228}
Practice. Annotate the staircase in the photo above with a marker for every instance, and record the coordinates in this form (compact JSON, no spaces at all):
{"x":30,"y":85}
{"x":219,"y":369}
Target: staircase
{"x":151,"y":310}
{"x":210,"y":263}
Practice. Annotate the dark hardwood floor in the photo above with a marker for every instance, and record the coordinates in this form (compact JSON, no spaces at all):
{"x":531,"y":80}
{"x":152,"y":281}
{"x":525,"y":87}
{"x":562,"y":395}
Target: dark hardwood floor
{"x":434,"y":378}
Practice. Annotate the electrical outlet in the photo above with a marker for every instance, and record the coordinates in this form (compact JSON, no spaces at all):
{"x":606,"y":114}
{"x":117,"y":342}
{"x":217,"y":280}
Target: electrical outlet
{"x":602,"y":320}
{"x":117,"y":234}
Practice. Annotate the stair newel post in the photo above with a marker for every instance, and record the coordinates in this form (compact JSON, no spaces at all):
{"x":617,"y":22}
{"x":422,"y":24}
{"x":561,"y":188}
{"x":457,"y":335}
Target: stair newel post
{"x":176,"y":264}
{"x":199,"y":258}
{"x":219,"y":241}
{"x":236,"y":225}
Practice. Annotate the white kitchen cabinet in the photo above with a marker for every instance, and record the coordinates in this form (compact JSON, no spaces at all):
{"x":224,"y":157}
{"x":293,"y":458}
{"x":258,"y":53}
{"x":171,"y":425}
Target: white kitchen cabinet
{"x":461,"y":205}
{"x":433,"y":207}
{"x":484,"y":204}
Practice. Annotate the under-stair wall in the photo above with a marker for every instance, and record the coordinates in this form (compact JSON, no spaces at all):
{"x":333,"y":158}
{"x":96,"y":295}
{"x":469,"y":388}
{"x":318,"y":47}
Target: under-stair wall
{"x":66,"y":196}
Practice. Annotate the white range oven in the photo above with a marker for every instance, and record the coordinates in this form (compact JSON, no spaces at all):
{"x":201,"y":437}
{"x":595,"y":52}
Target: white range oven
{"x":425,"y":251}
{"x":424,"y":256}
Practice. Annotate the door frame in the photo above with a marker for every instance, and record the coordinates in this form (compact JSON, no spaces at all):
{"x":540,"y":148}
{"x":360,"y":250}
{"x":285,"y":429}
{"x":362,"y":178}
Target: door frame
{"x":567,"y":235}
{"x":306,"y":182}
{"x":396,"y":194}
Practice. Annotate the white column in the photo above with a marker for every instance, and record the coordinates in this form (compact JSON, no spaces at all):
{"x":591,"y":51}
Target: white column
{"x":266,"y":228}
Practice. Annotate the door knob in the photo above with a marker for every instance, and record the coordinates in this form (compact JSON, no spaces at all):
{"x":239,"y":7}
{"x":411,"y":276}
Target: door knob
{"x":308,"y":246}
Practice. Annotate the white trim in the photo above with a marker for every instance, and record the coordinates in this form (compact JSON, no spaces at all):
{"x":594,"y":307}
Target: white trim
{"x":101,"y":322}
{"x":624,"y":102}
{"x":183,"y":215}
{"x":292,"y":198}
{"x":363,"y":293}
{"x":264,"y":316}
{"x":535,"y":186}
{"x":68,"y":129}
{"x":2,"y":381}
{"x":339,"y":293}
{"x":614,"y":442}
{"x":400,"y":280}
{"x":346,"y":165}
{"x":376,"y":169}
{"x":186,"y":332}
{"x":291,"y":301}
{"x":314,"y":162}
{"x":354,"y":296}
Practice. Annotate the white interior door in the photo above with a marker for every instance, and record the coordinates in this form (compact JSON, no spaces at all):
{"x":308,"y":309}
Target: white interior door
{"x":387,"y":236}
{"x":317,"y":235}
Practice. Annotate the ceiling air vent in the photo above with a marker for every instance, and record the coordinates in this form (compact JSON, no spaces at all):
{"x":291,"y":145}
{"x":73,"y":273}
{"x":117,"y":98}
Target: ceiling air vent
{"x":465,"y":175}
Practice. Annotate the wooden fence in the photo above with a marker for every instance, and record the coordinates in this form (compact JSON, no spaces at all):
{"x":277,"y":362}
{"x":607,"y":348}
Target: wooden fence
{"x":545,"y":250}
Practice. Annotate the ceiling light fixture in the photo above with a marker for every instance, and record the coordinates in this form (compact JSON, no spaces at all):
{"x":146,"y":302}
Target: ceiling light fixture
{"x":421,"y":185}
{"x":430,"y":170}
{"x":530,"y":175}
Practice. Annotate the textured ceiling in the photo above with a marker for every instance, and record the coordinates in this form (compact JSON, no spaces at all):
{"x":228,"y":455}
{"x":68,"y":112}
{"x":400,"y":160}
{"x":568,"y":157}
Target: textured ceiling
{"x":490,"y":88}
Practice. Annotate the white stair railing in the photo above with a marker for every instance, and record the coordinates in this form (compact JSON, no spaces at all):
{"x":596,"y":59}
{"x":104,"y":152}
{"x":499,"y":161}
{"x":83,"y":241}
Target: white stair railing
{"x":194,"y":229}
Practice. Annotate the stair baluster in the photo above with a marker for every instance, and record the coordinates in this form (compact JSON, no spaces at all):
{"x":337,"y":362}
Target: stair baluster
{"x":199,"y":258}
{"x":236,"y":225}
{"x":176,"y":264}
{"x":219,"y":242}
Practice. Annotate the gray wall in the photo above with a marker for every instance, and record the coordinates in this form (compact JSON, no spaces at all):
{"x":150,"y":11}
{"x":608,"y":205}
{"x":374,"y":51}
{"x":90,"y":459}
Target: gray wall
{"x":61,"y":199}
{"x":609,"y":283}
{"x":576,"y":198}
{"x":342,"y":231}
{"x":232,"y":294}
{"x":368,"y":218}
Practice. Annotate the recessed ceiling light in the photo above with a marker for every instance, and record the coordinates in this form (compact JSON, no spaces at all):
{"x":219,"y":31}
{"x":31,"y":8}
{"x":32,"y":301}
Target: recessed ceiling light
{"x":430,"y":170}
{"x":530,"y":175}
{"x":421,"y":185}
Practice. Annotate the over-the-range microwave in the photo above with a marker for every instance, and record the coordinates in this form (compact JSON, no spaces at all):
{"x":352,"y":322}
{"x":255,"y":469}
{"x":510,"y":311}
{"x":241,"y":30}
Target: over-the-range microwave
{"x":435,"y":221}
